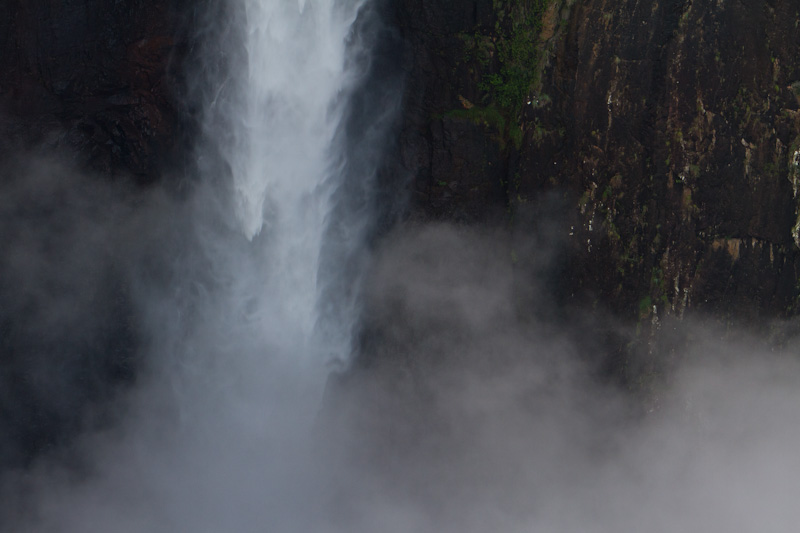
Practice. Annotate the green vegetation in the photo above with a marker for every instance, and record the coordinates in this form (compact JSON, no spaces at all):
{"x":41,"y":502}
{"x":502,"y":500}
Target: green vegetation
{"x":657,"y":287}
{"x":519,"y":24}
{"x":657,"y":284}
{"x":507,"y":58}
{"x":645,"y":306}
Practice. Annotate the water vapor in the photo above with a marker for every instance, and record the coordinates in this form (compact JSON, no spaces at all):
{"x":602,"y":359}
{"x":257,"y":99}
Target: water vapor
{"x":465,"y":412}
{"x":478,"y":417}
{"x":180,"y":339}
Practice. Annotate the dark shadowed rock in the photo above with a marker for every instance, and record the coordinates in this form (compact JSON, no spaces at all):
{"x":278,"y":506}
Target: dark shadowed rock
{"x":93,"y":80}
{"x":98,"y":84}
{"x":670,"y":129}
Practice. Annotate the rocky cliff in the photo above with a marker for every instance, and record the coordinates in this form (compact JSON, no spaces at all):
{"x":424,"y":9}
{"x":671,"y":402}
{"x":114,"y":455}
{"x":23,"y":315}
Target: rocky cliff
{"x":668,"y":131}
{"x":93,"y":80}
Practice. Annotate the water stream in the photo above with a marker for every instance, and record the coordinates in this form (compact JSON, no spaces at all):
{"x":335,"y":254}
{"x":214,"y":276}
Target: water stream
{"x":244,"y":292}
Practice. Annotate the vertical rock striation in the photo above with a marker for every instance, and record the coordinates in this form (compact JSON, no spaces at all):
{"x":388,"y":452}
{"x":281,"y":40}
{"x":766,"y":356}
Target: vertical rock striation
{"x":669,"y":130}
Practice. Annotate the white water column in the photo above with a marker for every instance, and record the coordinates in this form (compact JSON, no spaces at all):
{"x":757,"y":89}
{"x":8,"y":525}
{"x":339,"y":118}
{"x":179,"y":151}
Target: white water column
{"x":293,"y":95}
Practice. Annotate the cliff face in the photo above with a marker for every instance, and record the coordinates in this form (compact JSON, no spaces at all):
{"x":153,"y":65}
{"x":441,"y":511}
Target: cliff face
{"x":669,"y":131}
{"x":93,"y":80}
{"x":97,"y":83}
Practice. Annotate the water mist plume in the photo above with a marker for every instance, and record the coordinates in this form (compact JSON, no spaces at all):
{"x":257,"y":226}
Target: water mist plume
{"x":225,"y":283}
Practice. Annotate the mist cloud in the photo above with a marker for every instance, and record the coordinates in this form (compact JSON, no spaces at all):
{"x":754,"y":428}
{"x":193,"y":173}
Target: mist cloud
{"x":466,"y":413}
{"x":479,"y":418}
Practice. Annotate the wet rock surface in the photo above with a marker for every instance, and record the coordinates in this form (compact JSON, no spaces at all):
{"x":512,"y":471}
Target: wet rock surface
{"x":669,"y":130}
{"x":94,"y":81}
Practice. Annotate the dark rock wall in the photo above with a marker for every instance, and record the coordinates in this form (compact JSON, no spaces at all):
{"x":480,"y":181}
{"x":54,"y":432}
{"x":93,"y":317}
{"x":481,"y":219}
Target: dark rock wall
{"x":99,"y":84}
{"x":93,"y":79}
{"x":456,"y":167}
{"x":669,"y":130}
{"x":681,"y":131}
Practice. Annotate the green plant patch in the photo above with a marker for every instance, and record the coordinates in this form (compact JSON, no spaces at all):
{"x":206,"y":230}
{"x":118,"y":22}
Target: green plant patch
{"x":518,"y":52}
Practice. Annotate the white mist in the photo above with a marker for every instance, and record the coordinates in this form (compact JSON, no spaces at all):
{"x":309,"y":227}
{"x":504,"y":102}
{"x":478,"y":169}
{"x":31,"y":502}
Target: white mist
{"x":219,"y":433}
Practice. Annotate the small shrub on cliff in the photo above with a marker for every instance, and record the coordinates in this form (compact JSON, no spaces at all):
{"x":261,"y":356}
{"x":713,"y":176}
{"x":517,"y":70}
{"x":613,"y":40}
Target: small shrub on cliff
{"x":518,"y":52}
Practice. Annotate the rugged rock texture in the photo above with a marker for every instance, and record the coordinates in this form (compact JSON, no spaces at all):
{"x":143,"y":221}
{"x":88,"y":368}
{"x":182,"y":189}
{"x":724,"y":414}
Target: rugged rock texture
{"x":670,"y":129}
{"x":92,"y":79}
{"x":457,"y":165}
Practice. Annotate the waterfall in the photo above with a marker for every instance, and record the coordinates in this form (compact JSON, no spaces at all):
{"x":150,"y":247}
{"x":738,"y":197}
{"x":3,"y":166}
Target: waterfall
{"x":295,"y":78}
{"x":244,"y":288}
{"x":292,"y":95}
{"x":278,"y":258}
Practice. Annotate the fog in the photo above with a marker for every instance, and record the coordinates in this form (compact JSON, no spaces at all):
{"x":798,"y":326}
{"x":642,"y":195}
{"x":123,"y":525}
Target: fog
{"x":469,"y":411}
{"x":480,"y":418}
{"x":170,"y":350}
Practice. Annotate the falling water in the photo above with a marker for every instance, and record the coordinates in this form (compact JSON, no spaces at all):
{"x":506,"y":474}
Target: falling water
{"x":294,"y":78}
{"x":294,"y":89}
{"x":251,"y":363}
{"x":229,"y":284}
